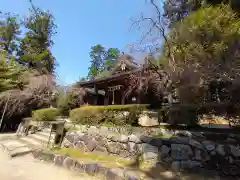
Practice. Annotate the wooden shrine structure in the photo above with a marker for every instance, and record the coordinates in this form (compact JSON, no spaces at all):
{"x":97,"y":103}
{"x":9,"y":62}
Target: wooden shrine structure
{"x":112,"y":89}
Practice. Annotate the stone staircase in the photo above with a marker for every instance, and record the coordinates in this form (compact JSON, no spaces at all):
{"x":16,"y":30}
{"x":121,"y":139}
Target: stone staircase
{"x":21,"y":145}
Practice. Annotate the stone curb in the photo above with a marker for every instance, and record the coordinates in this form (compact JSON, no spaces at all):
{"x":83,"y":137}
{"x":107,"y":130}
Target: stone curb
{"x":91,"y":168}
{"x":21,"y":153}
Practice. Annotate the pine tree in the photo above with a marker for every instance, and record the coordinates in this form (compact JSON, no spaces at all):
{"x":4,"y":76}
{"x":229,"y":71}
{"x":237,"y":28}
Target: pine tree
{"x":10,"y":73}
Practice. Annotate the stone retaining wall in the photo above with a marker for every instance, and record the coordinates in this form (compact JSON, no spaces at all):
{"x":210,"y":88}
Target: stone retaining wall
{"x":91,"y":168}
{"x":176,"y":153}
{"x":103,"y":130}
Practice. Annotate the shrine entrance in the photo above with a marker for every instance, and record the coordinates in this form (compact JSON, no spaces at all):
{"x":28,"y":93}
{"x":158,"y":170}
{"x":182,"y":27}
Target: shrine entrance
{"x":115,"y":94}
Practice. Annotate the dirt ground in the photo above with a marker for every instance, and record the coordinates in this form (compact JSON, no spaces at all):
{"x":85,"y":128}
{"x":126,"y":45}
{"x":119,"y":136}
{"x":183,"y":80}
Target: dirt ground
{"x":28,"y":168}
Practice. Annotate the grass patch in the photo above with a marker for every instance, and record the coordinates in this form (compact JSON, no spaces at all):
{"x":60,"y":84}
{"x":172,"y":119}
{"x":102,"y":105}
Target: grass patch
{"x":93,"y":156}
{"x":163,"y":136}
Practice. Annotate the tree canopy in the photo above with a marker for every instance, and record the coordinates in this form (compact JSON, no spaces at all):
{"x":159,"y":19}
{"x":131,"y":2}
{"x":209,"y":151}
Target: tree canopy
{"x":10,"y":74}
{"x":35,"y":47}
{"x":102,"y":60}
{"x":211,"y":46}
{"x":175,"y":10}
{"x":27,"y":65}
{"x":9,"y":33}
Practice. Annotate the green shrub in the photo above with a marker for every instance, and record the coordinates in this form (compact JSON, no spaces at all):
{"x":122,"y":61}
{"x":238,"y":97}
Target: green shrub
{"x":46,"y":114}
{"x":125,"y":107}
{"x":85,"y":116}
{"x":65,"y":103}
{"x":73,"y":98}
{"x":111,"y":114}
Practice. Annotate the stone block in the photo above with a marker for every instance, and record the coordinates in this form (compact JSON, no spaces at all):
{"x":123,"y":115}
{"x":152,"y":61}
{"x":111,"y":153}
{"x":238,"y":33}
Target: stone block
{"x":190,"y":164}
{"x":79,"y":166}
{"x":148,"y":119}
{"x":132,"y":147}
{"x":115,"y":174}
{"x":176,"y":165}
{"x":145,"y":139}
{"x":114,"y":147}
{"x":195,"y":144}
{"x":181,"y":152}
{"x":209,"y":145}
{"x":184,"y":134}
{"x":101,"y":141}
{"x":80,"y":145}
{"x":91,"y":168}
{"x":164,"y":150}
{"x":149,"y":152}
{"x":103,"y":130}
{"x":58,"y":160}
{"x":197,"y":155}
{"x":91,"y":144}
{"x":179,"y":140}
{"x":66,"y":143}
{"x":101,"y":149}
{"x":125,"y":153}
{"x":69,"y":163}
{"x":42,"y":155}
{"x":235,"y":151}
{"x":129,"y":175}
{"x":156,"y":142}
{"x":83,"y":137}
{"x":167,"y":160}
{"x":71,"y":136}
{"x":93,"y":130}
{"x":134,"y":138}
{"x":102,"y":170}
{"x":36,"y":153}
{"x":198,"y":135}
{"x":139,"y":147}
{"x":120,"y":138}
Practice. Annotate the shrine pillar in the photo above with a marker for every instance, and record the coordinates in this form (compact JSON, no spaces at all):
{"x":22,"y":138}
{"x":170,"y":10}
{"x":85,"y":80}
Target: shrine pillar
{"x":96,"y":95}
{"x":106,"y":98}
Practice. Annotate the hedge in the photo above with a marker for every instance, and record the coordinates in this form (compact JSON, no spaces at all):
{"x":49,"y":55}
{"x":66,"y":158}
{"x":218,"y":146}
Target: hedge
{"x":111,"y":114}
{"x":46,"y":114}
{"x":124,"y":107}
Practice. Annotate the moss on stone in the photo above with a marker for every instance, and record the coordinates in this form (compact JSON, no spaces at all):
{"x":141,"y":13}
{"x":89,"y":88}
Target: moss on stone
{"x":93,"y":156}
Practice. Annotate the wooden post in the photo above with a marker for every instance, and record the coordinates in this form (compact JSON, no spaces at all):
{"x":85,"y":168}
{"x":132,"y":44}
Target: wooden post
{"x":106,"y":98}
{"x":49,"y":137}
{"x":123,"y":97}
{"x":96,"y":95}
{"x":62,"y":134}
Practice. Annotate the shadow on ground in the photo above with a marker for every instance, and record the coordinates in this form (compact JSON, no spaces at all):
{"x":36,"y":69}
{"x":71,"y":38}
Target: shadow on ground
{"x":217,"y":167}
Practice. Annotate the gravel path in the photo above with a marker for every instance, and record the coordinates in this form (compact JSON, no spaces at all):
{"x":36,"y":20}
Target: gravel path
{"x":28,"y":168}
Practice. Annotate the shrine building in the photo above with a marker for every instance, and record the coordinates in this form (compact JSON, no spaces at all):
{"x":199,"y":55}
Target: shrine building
{"x":113,"y":88}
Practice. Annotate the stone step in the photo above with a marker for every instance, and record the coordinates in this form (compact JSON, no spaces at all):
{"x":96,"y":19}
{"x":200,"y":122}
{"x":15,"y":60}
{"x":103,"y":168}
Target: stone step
{"x":40,"y":138}
{"x":44,"y":134}
{"x":47,"y":130}
{"x":26,"y":144}
{"x":30,"y":140}
{"x":12,"y":144}
{"x":21,"y":151}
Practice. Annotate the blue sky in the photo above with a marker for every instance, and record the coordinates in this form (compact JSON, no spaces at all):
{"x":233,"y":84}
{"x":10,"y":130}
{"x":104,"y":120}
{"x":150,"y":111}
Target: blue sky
{"x":82,"y":24}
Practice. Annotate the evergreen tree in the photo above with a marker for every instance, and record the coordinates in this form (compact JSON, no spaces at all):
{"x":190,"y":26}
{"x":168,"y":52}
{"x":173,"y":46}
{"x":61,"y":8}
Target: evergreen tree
{"x":102,"y":60}
{"x":35,"y":47}
{"x":110,"y":60}
{"x":10,"y":73}
{"x":9,"y":32}
{"x":97,"y":55}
